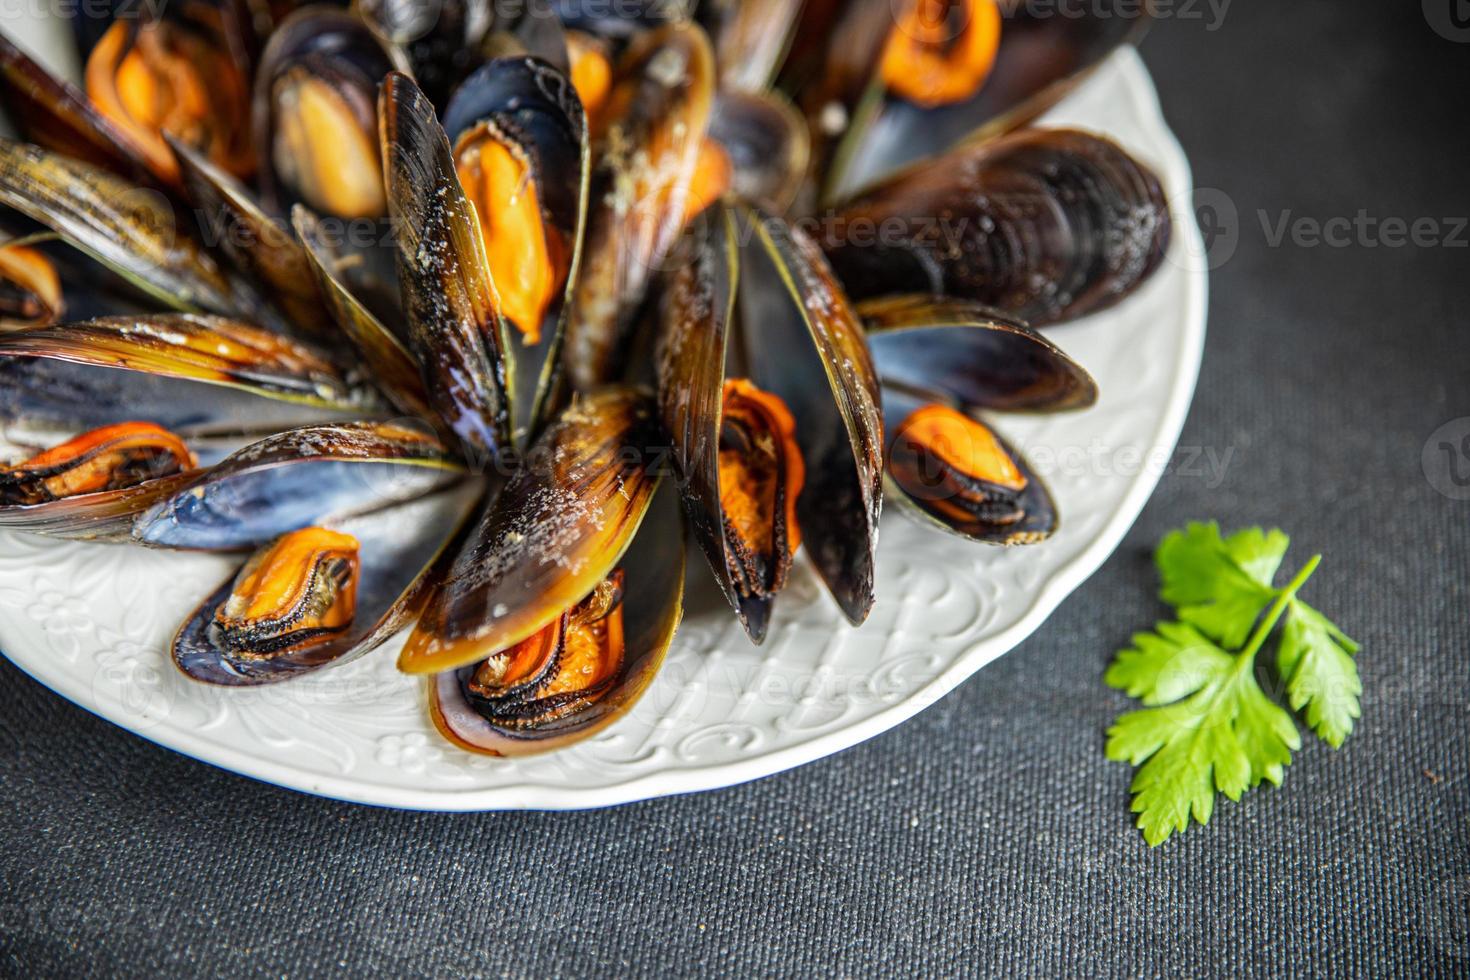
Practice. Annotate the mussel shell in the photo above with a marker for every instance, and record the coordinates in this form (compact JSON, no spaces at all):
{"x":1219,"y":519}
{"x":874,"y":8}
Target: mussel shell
{"x":259,"y":245}
{"x":533,"y":105}
{"x":750,"y":38}
{"x":436,"y":37}
{"x":1046,"y":225}
{"x":664,"y":87}
{"x":184,"y":372}
{"x":132,"y":230}
{"x":394,"y":370}
{"x":534,"y":29}
{"x":1041,"y":518}
{"x":332,"y":45}
{"x":55,"y":114}
{"x":767,"y":142}
{"x":556,"y":530}
{"x":104,"y":516}
{"x":756,"y":295}
{"x":399,"y":548}
{"x":1043,"y":55}
{"x":455,"y":328}
{"x":652,"y":605}
{"x":295,"y":479}
{"x":955,"y":351}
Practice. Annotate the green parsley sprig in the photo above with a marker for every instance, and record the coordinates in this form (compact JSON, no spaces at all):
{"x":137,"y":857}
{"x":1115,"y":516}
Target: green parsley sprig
{"x":1209,"y":727}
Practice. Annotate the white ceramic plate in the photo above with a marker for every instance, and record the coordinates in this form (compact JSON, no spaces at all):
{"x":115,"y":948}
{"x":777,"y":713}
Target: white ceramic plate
{"x":93,"y":622}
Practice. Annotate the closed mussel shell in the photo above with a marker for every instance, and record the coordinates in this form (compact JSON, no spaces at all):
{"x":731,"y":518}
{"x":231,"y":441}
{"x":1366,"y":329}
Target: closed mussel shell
{"x":398,"y":550}
{"x":299,"y":478}
{"x":1046,"y":225}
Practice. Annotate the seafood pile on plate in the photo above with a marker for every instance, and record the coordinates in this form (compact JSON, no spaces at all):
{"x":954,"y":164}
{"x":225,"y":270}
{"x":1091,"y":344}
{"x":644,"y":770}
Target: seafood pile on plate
{"x":461,"y":323}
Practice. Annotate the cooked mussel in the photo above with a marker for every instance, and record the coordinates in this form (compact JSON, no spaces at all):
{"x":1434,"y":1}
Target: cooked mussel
{"x":658,"y":113}
{"x":133,"y":230}
{"x":906,"y":79}
{"x":315,"y":121}
{"x":290,"y":615}
{"x":765,"y":148}
{"x":767,"y":388}
{"x":1046,"y":225}
{"x":941,"y":362}
{"x":519,"y":139}
{"x":30,"y":289}
{"x":295,"y":593}
{"x":563,"y":601}
{"x":114,"y":457}
{"x":299,"y":478}
{"x":53,"y":113}
{"x":182,"y":73}
{"x":186,"y":373}
{"x":455,"y":327}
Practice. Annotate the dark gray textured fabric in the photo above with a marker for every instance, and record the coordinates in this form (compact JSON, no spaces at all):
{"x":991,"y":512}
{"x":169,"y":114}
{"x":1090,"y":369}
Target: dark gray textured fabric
{"x":989,"y":834}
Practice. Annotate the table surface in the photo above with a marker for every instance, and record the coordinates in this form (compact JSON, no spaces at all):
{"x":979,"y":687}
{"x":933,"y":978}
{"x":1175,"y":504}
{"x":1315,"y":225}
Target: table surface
{"x":989,"y":834}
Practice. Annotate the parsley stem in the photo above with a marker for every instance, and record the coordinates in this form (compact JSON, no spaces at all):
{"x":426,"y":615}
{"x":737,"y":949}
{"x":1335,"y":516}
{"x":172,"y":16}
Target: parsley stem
{"x":1273,"y":615}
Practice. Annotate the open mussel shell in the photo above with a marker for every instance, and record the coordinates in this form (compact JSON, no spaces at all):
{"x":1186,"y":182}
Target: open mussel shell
{"x":314,"y":117}
{"x":133,"y":230}
{"x":181,"y":70}
{"x":942,"y":352}
{"x":1040,"y":57}
{"x":956,"y":351}
{"x":187,"y":373}
{"x":55,"y":114}
{"x":556,"y":530}
{"x":767,"y":144}
{"x":754,"y":298}
{"x":394,"y":370}
{"x":259,"y":245}
{"x":526,"y":115}
{"x":658,"y":113}
{"x":299,"y":478}
{"x":455,"y":329}
{"x":1045,"y":224}
{"x":398,"y":550}
{"x":653,"y":589}
{"x":107,"y":515}
{"x":1027,"y":516}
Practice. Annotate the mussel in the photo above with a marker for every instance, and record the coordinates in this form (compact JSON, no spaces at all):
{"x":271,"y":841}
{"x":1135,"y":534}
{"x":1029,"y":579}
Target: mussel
{"x":299,"y":478}
{"x":771,"y":398}
{"x":184,"y":372}
{"x":183,"y":73}
{"x":318,"y":596}
{"x":905,"y":79}
{"x":941,"y":363}
{"x":658,"y":114}
{"x":1047,"y":225}
{"x":30,"y":289}
{"x":563,"y":600}
{"x":314,"y":117}
{"x":519,"y":139}
{"x":114,"y":457}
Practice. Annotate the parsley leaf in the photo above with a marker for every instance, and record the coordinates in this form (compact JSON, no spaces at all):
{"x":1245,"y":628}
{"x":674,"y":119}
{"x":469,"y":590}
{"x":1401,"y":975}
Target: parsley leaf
{"x":1220,"y":584}
{"x":1208,"y":726}
{"x":1316,"y":661}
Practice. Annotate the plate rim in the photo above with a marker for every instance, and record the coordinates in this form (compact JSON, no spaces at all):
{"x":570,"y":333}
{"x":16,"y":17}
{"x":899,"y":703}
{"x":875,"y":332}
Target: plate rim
{"x":1172,"y":160}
